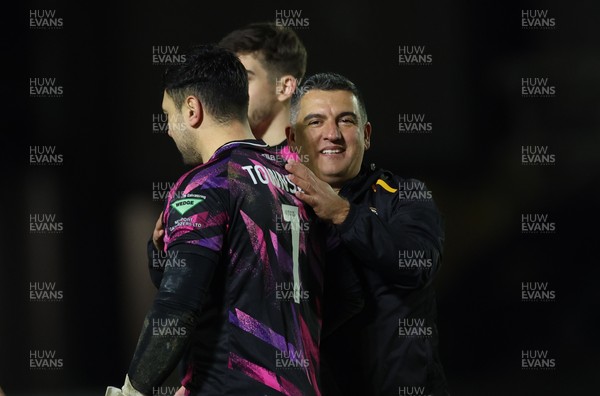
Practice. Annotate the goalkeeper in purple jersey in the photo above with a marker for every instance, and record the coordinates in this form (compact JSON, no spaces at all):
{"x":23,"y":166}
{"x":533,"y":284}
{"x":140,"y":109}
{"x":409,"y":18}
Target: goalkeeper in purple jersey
{"x":242,"y":269}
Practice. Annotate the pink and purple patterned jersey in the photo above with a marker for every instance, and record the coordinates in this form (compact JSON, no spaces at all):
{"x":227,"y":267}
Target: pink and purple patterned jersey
{"x":260,"y":325}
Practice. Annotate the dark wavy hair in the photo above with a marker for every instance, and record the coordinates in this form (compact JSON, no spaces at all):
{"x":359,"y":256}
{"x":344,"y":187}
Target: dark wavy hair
{"x":280,"y":49}
{"x":216,"y":77}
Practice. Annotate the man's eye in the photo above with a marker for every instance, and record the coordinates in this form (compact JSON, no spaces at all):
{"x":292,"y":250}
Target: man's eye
{"x":314,"y":122}
{"x":347,"y":121}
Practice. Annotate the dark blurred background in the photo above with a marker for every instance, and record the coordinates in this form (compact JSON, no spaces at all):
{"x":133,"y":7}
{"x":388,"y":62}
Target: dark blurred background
{"x":100,"y":195}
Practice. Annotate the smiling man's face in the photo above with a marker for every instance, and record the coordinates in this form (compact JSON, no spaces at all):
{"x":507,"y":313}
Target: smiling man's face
{"x":329,"y":130}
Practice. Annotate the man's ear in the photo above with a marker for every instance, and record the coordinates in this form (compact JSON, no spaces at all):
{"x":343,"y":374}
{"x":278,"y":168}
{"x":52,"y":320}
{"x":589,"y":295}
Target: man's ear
{"x":286,"y":85}
{"x":367,"y":135}
{"x":290,"y":135}
{"x":193,"y":111}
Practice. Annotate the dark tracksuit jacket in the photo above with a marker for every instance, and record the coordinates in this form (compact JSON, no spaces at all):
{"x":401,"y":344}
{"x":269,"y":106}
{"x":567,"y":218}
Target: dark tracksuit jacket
{"x":393,"y":236}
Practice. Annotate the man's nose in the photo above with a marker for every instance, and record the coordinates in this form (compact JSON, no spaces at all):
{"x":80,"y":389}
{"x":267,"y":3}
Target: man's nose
{"x":332,"y":131}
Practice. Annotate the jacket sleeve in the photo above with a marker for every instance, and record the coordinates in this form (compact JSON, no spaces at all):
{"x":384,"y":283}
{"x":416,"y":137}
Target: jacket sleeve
{"x":402,"y":238}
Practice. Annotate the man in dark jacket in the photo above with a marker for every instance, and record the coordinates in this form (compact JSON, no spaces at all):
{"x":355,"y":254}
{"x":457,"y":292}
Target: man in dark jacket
{"x":392,"y":233}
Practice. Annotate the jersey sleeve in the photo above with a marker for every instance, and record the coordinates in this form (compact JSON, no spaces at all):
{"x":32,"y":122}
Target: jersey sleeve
{"x":196,"y":223}
{"x":154,"y":268}
{"x":196,"y":220}
{"x":170,"y":322}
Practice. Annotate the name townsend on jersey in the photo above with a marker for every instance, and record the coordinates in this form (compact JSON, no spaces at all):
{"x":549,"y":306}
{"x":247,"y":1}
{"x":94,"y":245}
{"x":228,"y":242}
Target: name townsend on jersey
{"x":259,"y":173}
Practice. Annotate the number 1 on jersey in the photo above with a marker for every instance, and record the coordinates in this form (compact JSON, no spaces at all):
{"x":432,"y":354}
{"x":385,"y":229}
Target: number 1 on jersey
{"x":290,"y":214}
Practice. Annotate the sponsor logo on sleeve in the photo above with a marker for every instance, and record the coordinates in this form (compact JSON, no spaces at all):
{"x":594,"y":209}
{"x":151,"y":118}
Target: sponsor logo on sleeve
{"x":185,"y":204}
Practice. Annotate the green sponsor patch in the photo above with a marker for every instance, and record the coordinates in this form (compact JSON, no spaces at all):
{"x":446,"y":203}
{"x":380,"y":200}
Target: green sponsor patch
{"x":185,"y":204}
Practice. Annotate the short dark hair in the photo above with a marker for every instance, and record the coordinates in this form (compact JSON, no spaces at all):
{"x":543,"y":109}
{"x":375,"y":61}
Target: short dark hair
{"x":216,"y":77}
{"x":281,"y":49}
{"x":326,"y":82}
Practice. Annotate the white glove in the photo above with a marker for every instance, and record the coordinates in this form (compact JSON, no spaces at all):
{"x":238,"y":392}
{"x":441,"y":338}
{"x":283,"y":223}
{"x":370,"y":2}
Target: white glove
{"x":127,"y":390}
{"x":112,"y":391}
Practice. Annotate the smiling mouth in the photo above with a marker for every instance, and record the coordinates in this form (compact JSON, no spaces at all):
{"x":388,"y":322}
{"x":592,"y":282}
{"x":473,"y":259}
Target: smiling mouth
{"x":332,"y":151}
